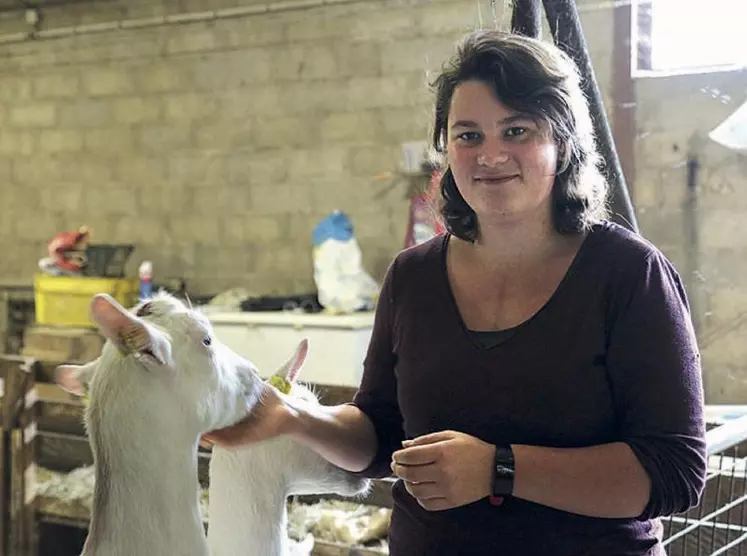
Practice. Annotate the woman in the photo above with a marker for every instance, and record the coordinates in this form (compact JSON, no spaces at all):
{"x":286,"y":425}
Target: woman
{"x":533,"y":377}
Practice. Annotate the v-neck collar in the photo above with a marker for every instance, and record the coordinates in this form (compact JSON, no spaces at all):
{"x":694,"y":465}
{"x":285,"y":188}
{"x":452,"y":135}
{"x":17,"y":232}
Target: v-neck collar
{"x":519,"y":328}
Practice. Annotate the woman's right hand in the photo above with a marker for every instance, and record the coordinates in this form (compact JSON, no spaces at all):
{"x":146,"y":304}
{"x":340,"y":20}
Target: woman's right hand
{"x":269,"y":418}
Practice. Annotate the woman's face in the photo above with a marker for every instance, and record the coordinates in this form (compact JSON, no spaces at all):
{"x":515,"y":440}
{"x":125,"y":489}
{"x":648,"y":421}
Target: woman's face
{"x":503,"y":162}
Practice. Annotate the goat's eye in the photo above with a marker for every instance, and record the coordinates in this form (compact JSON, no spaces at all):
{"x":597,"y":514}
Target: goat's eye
{"x":207,"y":341}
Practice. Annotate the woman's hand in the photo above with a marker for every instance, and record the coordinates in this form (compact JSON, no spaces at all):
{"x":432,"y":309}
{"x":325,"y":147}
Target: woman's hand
{"x":269,"y":418}
{"x":445,"y":469}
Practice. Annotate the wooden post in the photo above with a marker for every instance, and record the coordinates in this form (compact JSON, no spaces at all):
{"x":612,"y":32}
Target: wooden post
{"x":17,"y":469}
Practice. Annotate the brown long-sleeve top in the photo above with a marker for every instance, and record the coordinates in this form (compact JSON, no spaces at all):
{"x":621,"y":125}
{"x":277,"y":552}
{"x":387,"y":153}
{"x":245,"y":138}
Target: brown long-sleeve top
{"x":611,"y":357}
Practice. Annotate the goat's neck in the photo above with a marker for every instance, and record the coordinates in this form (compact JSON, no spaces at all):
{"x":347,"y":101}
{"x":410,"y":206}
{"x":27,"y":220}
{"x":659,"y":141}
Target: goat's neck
{"x":145,"y":501}
{"x":265,"y":528}
{"x":248,"y":512}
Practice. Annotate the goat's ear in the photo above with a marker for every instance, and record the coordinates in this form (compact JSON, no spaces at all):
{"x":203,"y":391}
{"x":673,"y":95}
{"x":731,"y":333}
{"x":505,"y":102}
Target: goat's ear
{"x":112,"y":319}
{"x":128,"y":332}
{"x":75,"y":378}
{"x":292,"y":366}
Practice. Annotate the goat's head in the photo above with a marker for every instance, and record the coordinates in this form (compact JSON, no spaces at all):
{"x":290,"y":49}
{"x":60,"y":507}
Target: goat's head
{"x":163,"y":365}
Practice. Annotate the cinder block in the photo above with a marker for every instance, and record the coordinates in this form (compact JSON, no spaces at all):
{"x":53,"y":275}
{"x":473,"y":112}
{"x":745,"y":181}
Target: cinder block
{"x":43,"y":114}
{"x":188,"y":39}
{"x":329,"y":163}
{"x":161,"y":199}
{"x":306,"y":97}
{"x":14,"y":143}
{"x":302,"y":61}
{"x":25,"y":200}
{"x":86,"y":113}
{"x":233,"y":230}
{"x":254,"y":31}
{"x":206,"y":230}
{"x":67,"y":199}
{"x":165,"y":138}
{"x":113,"y":200}
{"x":327,"y":196}
{"x":419,"y":54}
{"x":107,"y":82}
{"x":351,"y":127}
{"x":42,"y":228}
{"x":60,"y":140}
{"x":361,"y":59}
{"x":269,"y":166}
{"x":367,"y":162}
{"x":306,"y":26}
{"x":392,"y":23}
{"x":406,"y":124}
{"x":136,"y":110}
{"x":15,"y":89}
{"x":110,"y":141}
{"x":273,"y":199}
{"x":171,"y":75}
{"x":391,"y":90}
{"x":142,"y":169}
{"x":56,"y":85}
{"x":6,"y":171}
{"x":213,"y":134}
{"x":228,"y":70}
{"x":189,"y":106}
{"x":221,"y":200}
{"x":262,"y":230}
{"x":200,"y":170}
{"x":451,"y":19}
{"x":265,"y":100}
{"x":141,"y":230}
{"x":284,"y":132}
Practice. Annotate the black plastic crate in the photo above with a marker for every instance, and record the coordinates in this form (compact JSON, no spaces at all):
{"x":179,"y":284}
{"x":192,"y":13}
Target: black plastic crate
{"x":107,"y":260}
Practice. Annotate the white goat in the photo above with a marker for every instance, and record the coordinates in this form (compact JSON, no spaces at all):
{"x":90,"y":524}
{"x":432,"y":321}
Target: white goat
{"x":162,"y":381}
{"x":249,"y":486}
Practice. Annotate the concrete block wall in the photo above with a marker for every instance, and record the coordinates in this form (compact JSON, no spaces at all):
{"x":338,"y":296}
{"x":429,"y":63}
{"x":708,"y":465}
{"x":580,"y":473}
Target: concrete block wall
{"x":216,"y":147}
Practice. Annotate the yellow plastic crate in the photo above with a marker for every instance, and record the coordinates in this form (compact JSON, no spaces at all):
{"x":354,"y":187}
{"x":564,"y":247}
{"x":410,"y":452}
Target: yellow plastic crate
{"x":66,"y":301}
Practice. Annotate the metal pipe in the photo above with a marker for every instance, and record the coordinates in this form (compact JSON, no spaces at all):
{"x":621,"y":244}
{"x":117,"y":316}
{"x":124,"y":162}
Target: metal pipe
{"x":691,"y":230}
{"x":527,"y":18}
{"x":24,"y":5}
{"x":175,"y":19}
{"x":565,"y":25}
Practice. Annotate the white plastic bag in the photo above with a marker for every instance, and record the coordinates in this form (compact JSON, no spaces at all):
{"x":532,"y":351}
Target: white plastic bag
{"x":343,"y":286}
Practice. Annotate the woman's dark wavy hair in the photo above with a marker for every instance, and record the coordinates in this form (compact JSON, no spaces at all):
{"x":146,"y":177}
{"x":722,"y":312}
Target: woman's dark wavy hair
{"x":535,"y":78}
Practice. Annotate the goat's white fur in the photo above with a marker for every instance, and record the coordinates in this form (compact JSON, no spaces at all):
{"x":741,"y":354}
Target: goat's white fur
{"x":249,"y":486}
{"x":146,"y":413}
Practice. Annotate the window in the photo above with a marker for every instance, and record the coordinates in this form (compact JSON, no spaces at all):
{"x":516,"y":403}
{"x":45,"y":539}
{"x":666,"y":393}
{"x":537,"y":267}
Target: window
{"x":689,"y":36}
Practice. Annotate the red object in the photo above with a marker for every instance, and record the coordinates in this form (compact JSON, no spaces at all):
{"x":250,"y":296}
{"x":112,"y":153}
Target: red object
{"x":424,"y":221}
{"x":68,"y":249}
{"x":496,"y":500}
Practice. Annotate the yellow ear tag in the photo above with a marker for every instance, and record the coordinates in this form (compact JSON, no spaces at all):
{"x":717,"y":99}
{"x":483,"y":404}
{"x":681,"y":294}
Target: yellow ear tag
{"x":84,"y":397}
{"x":280,"y":383}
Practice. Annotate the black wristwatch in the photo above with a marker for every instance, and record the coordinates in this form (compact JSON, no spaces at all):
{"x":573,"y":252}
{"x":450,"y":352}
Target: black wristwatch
{"x":503,"y":472}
